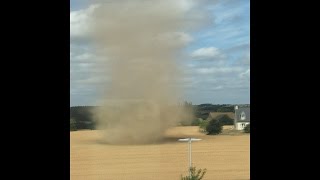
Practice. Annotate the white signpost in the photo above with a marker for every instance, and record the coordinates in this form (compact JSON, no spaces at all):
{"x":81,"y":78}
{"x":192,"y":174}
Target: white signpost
{"x":190,"y":158}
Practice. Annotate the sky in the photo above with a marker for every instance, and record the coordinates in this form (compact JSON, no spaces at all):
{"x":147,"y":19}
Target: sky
{"x":216,"y":66}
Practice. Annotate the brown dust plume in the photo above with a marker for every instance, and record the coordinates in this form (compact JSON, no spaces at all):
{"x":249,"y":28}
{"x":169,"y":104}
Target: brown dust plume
{"x":141,"y":41}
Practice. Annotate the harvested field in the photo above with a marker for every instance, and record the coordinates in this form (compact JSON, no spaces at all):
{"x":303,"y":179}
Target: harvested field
{"x":225,"y":157}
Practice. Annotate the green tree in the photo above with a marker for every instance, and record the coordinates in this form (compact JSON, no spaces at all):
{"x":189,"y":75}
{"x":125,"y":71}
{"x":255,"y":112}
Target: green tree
{"x":203,"y":125}
{"x":73,"y":125}
{"x":83,"y":116}
{"x":195,"y":174}
{"x":225,"y":120}
{"x":214,"y":127}
{"x":188,"y":113}
{"x":196,"y":122}
{"x":247,"y":129}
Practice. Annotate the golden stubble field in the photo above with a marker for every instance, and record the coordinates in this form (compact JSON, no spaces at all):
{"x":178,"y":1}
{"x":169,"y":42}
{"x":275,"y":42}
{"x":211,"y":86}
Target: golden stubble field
{"x":226,"y":157}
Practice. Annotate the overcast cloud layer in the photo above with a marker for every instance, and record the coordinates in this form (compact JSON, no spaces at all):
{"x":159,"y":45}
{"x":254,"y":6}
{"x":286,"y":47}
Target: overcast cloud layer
{"x":216,"y":65}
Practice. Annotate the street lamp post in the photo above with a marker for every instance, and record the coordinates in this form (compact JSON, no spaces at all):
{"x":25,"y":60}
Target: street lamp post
{"x":189,"y":140}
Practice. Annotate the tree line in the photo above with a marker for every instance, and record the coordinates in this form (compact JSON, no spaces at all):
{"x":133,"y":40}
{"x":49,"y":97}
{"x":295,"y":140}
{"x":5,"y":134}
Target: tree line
{"x":81,"y":117}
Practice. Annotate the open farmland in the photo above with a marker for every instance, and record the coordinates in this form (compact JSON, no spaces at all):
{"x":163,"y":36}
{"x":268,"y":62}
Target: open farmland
{"x":226,"y":157}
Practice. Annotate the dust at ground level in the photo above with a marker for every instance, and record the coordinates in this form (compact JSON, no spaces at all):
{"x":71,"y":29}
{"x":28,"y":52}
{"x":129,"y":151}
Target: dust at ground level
{"x":226,"y":157}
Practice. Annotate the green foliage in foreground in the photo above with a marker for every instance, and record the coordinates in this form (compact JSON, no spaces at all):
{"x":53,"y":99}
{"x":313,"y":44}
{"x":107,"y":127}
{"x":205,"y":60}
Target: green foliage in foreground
{"x":195,"y":174}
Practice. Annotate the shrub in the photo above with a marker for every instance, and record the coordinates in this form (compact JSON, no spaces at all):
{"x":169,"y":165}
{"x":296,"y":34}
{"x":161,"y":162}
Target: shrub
{"x":214,"y":127}
{"x":247,"y":129}
{"x":195,"y":175}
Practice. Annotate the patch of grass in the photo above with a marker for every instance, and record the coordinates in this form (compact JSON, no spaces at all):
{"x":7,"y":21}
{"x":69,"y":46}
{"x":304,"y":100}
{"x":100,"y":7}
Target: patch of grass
{"x":195,"y":174}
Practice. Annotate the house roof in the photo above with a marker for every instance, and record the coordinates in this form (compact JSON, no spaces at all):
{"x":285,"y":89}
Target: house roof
{"x":217,"y":115}
{"x":239,"y":111}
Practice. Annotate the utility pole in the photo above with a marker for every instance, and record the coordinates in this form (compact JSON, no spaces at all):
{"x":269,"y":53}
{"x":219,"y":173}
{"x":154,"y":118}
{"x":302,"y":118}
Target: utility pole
{"x":189,"y":140}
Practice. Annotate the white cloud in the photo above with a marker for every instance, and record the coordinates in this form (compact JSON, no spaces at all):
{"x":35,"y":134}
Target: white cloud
{"x":208,"y":52}
{"x":246,"y":59}
{"x":217,"y":88}
{"x":245,"y":74}
{"x":204,"y":81}
{"x":175,"y":38}
{"x":84,"y":57}
{"x":80,"y":22}
{"x":94,"y":80}
{"x":184,"y":5}
{"x":216,"y":70}
{"x":183,"y":37}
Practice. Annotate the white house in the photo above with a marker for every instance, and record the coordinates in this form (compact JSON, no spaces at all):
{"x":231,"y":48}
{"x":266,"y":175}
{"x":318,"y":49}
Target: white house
{"x":241,"y":117}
